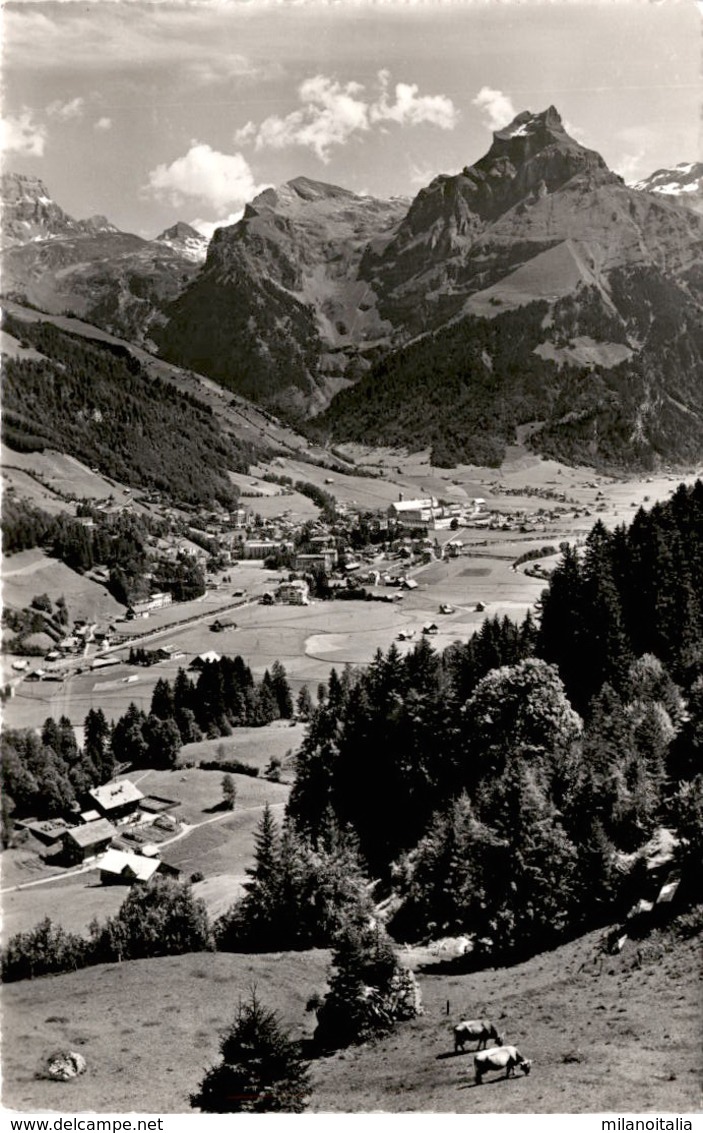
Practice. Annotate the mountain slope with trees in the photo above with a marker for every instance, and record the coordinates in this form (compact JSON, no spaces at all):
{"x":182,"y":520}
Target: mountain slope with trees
{"x":534,"y":287}
{"x":495,"y":789}
{"x":95,"y":401}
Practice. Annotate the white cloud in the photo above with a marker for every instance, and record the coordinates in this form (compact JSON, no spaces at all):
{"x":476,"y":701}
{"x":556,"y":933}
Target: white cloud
{"x":207,"y":227}
{"x":497,"y":107}
{"x":65,"y":111}
{"x":103,"y":124}
{"x":62,"y":36}
{"x":221,"y":180}
{"x":412,"y":109}
{"x":332,"y":113}
{"x":21,"y":133}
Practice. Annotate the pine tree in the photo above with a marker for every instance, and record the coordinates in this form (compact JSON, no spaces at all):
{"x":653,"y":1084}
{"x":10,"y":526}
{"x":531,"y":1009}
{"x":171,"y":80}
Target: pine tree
{"x":162,"y":701}
{"x":368,"y":990}
{"x":303,"y":704}
{"x":96,"y":743}
{"x":258,"y":915}
{"x":261,"y":1070}
{"x":281,"y":691}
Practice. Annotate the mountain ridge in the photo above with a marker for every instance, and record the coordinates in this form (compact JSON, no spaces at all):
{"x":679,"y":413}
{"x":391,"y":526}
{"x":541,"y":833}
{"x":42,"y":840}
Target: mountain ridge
{"x":317,"y":294}
{"x":116,"y":279}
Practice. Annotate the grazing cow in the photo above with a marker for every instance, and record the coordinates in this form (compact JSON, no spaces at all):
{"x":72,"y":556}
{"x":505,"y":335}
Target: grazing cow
{"x":479,"y":1029}
{"x":500,"y":1058}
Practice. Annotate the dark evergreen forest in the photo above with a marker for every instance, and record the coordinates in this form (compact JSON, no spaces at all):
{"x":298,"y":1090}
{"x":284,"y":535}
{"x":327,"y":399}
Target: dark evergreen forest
{"x":95,"y":401}
{"x":497,"y":789}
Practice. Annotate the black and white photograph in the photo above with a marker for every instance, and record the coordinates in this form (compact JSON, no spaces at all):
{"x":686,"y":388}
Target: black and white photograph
{"x":351,"y":678}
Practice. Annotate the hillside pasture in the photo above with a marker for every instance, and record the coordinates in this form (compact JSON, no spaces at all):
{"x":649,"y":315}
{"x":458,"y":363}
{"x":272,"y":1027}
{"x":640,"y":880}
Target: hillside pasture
{"x":222,"y":849}
{"x":13,"y":348}
{"x":19,"y":484}
{"x":68,"y":476}
{"x":33,"y":572}
{"x":585,"y":1021}
{"x":255,"y":746}
{"x":199,"y":793}
{"x":148,"y":1029}
{"x":72,"y":902}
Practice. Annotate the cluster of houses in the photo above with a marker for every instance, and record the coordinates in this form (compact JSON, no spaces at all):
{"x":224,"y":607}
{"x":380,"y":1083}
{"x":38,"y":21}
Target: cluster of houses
{"x":428,"y":512}
{"x":116,"y":816}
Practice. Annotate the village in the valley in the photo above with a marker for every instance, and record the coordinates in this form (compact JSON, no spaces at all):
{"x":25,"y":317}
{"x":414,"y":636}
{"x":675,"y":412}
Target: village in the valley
{"x":363,"y":557}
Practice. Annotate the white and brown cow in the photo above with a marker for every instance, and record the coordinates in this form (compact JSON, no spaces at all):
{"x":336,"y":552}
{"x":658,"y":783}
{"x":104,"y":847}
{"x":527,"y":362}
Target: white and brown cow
{"x":479,"y":1030}
{"x":500,"y":1058}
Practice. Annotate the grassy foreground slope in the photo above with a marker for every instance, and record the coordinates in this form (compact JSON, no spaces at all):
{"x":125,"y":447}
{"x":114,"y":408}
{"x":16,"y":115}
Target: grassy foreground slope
{"x":607,"y":1036}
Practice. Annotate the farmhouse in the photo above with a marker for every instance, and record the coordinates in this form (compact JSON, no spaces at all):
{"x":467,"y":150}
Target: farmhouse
{"x":49,"y":831}
{"x":221,"y":624}
{"x":117,"y":801}
{"x":118,"y":867}
{"x":81,"y":842}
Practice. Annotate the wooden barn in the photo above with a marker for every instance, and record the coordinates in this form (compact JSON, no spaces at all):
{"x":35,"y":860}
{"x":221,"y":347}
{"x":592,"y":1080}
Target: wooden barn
{"x":87,"y":841}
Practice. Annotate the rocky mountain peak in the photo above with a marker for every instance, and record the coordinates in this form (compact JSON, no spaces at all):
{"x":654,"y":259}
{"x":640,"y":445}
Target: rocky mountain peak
{"x":536,"y":148}
{"x":683,"y":182}
{"x":185,"y":240}
{"x":545,"y":128}
{"x":98,"y":223}
{"x":28,"y":211}
{"x":180,"y":231}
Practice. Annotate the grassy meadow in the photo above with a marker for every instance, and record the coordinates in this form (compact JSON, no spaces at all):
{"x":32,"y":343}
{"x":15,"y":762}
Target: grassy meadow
{"x":588,"y":1026}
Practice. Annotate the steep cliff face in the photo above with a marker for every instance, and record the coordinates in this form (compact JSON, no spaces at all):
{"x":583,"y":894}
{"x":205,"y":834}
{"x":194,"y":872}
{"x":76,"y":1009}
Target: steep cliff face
{"x":88,"y":267}
{"x":534,"y":218}
{"x":314,"y":285}
{"x":537,"y":288}
{"x":279,"y":312}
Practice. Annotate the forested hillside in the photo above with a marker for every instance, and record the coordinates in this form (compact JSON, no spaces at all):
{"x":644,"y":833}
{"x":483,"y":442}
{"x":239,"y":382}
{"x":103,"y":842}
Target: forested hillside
{"x":463,"y":390}
{"x":496,"y":788}
{"x":94,"y":401}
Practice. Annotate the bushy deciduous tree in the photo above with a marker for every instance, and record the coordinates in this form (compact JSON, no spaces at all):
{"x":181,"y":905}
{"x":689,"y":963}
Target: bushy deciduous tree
{"x":162,"y":918}
{"x":44,"y":950}
{"x":229,"y":791}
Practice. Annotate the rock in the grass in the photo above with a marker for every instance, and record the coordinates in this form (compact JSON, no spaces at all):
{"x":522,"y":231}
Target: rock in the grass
{"x":65,"y":1064}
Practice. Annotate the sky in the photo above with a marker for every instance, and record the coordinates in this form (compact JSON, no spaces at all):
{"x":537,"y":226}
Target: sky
{"x":152,"y":111}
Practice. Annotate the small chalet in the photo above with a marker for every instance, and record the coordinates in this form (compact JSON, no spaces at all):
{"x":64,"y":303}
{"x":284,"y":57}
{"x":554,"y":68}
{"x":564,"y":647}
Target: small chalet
{"x":118,"y":867}
{"x":117,"y":801}
{"x":82,"y":842}
{"x":204,"y":659}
